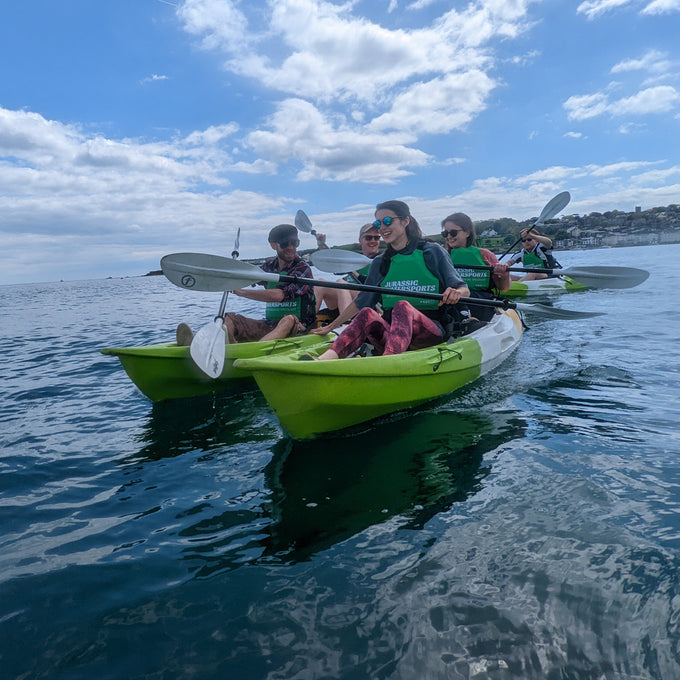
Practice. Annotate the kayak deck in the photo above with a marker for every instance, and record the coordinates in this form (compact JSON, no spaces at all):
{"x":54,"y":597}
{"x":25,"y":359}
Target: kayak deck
{"x":550,"y":286}
{"x":166,"y":371}
{"x":314,"y":397}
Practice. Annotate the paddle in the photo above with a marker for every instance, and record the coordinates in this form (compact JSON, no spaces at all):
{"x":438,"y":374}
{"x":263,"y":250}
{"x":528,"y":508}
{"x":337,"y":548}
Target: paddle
{"x":593,"y":277}
{"x":303,"y":223}
{"x":207,"y":347}
{"x":340,"y":261}
{"x":198,"y":271}
{"x":552,"y":207}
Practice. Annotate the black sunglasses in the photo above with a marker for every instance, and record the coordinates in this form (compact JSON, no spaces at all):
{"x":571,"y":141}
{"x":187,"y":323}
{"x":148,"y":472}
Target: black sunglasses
{"x":371,"y":237}
{"x":290,"y":242}
{"x":385,"y":220}
{"x":451,"y":232}
{"x":524,"y":240}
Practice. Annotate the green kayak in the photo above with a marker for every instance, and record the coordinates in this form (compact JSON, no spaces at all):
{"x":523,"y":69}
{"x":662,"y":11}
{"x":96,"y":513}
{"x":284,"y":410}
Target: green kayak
{"x":313,"y":397}
{"x":549,"y":286}
{"x":166,"y":371}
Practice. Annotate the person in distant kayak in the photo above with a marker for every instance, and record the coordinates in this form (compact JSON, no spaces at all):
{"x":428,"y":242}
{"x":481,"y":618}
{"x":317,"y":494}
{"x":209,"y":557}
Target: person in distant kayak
{"x":460,"y":240}
{"x":337,"y":299}
{"x":290,"y":307}
{"x":535,"y":253}
{"x":409,"y":262}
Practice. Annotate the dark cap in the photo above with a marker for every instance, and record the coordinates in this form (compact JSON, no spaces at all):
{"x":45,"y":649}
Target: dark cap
{"x":282,"y":232}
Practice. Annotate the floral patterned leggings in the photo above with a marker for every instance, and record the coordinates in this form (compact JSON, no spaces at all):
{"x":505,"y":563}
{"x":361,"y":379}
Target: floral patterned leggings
{"x":410,"y":328}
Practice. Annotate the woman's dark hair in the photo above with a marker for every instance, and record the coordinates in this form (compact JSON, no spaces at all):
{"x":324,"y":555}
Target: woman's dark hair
{"x":400,"y":209}
{"x":465,"y":223}
{"x":413,"y":231}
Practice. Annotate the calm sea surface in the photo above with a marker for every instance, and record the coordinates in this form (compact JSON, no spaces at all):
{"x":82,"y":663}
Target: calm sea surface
{"x":527,"y":527}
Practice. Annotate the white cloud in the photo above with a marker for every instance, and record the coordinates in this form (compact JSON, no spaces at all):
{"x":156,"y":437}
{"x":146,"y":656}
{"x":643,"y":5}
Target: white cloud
{"x":655,"y":100}
{"x":662,"y":7}
{"x":582,"y":107}
{"x":652,"y":100}
{"x":298,"y":131}
{"x":153,"y":79}
{"x":653,"y":61}
{"x":427,"y":80}
{"x":595,"y":8}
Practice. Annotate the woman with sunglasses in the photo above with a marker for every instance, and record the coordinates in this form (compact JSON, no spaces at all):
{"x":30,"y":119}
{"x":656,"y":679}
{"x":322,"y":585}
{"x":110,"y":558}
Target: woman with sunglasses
{"x":460,"y":240}
{"x":535,"y":253}
{"x":409,"y":262}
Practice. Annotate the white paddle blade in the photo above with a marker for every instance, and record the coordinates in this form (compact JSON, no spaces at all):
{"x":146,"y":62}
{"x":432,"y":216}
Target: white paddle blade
{"x":606,"y":277}
{"x":553,"y":206}
{"x":555,"y":312}
{"x":207,"y":348}
{"x":198,"y":271}
{"x":338,"y":261}
{"x":302,"y":222}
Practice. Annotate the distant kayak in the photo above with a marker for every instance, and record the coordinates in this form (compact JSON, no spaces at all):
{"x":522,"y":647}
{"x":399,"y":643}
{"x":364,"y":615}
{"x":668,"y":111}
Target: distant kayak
{"x":333,"y":395}
{"x":550,"y":286}
{"x":166,"y":371}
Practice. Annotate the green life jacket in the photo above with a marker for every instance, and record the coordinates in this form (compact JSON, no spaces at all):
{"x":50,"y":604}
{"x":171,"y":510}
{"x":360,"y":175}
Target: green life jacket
{"x":409,"y":272}
{"x":540,"y":257}
{"x":532,"y":260}
{"x":476,"y":279}
{"x":275,"y":311}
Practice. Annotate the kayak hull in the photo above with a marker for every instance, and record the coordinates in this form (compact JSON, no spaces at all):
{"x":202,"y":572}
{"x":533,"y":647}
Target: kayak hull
{"x":166,"y":371}
{"x":553,"y":285}
{"x":314,"y":397}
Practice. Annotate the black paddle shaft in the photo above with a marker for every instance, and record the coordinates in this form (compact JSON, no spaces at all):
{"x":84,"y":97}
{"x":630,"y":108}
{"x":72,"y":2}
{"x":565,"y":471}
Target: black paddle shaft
{"x":502,"y":304}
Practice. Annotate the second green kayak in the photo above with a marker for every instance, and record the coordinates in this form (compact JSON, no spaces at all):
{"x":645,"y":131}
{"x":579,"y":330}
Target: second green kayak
{"x":314,"y":397}
{"x":550,"y":286}
{"x":166,"y":371}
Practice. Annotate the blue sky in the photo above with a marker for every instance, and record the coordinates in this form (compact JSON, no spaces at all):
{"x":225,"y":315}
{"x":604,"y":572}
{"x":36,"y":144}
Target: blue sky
{"x":136,"y":128}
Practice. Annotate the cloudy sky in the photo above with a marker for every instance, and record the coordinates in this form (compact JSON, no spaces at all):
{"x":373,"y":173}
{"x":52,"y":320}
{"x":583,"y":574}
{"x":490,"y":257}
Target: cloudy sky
{"x":135,"y":128}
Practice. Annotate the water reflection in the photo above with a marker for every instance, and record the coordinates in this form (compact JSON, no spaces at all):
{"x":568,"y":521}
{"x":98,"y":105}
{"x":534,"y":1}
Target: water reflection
{"x":317,"y":494}
{"x":205,"y":423}
{"x":323,"y":493}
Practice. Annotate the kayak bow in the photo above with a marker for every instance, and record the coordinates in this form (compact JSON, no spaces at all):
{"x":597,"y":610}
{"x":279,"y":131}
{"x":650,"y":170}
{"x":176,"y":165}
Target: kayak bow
{"x":166,"y":371}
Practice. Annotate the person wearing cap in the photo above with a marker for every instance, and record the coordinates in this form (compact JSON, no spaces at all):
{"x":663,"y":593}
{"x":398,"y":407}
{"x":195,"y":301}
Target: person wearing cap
{"x":339,"y":299}
{"x":290,"y":307}
{"x":535,"y":253}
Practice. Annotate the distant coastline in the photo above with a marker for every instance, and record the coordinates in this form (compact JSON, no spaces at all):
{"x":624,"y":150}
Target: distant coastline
{"x":612,"y":229}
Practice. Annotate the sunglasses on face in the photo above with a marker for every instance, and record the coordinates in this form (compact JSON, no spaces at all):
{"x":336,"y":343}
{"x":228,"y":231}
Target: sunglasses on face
{"x":385,"y":221}
{"x":371,"y":237}
{"x":524,"y":240}
{"x":290,"y":242}
{"x":451,"y":232}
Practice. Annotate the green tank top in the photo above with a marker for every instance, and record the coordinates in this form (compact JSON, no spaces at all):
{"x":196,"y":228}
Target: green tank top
{"x":275,"y":311}
{"x":476,"y":279}
{"x":409,"y":272}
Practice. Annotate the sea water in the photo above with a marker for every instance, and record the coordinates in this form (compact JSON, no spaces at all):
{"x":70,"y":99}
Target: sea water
{"x":525,"y":527}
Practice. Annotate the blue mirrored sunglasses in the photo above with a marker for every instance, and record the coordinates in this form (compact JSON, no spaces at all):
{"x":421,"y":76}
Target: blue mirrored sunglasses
{"x":385,"y":220}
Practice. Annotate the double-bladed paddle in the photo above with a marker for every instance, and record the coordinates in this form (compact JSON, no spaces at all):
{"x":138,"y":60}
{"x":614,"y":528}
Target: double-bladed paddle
{"x":207,"y":347}
{"x":339,"y":261}
{"x":202,"y":272}
{"x":552,"y":207}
